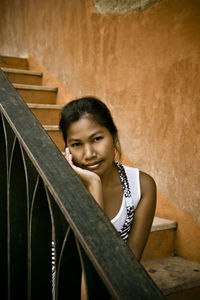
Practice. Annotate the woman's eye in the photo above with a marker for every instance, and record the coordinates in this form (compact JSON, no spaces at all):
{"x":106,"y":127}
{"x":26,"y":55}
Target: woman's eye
{"x":98,"y":138}
{"x":75,"y":145}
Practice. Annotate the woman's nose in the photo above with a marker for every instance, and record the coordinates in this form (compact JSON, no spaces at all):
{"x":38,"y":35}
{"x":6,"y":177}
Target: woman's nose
{"x":89,"y":151}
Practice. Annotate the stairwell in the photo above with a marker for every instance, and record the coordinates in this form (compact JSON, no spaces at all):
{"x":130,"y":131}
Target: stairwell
{"x":178,"y":278}
{"x":40,"y":99}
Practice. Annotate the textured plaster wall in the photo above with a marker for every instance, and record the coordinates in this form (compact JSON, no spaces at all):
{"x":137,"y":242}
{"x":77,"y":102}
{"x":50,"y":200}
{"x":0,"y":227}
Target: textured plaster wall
{"x":144,"y":64}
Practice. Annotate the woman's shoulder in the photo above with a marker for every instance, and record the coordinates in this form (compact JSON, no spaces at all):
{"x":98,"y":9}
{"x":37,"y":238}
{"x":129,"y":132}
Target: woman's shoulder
{"x":147,"y":182}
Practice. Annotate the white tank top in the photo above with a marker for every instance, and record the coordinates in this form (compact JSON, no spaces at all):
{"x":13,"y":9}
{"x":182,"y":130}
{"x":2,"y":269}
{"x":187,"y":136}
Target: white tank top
{"x":132,"y":194}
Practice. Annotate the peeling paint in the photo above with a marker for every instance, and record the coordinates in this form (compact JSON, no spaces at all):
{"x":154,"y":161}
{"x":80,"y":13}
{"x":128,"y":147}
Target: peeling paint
{"x":120,"y":6}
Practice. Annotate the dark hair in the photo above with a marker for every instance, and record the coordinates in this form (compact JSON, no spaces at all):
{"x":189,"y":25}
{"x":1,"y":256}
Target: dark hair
{"x":76,"y":109}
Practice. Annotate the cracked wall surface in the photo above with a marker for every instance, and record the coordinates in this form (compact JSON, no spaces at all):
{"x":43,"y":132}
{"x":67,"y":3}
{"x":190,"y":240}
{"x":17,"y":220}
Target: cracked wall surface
{"x":120,"y":6}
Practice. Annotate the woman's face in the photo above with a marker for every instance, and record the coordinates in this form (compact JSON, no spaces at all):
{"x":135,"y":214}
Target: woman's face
{"x":91,"y":145}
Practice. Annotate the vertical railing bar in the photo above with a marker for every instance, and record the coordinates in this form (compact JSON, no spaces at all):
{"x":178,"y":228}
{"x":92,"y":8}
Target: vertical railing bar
{"x":29,"y":238}
{"x":26,"y":179}
{"x":59,"y":260}
{"x":17,"y":220}
{"x":83,"y":268}
{"x":59,"y":234}
{"x":40,"y":218}
{"x":8,"y":211}
{"x":50,"y":209}
{"x":53,"y":235}
{"x":34,"y":193}
{"x":11,"y":156}
{"x":6,"y":143}
{"x":6,"y":149}
{"x":28,"y":216}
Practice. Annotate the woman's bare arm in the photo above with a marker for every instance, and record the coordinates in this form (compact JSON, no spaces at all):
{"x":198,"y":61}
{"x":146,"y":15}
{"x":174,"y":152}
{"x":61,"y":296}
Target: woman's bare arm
{"x":144,"y":215}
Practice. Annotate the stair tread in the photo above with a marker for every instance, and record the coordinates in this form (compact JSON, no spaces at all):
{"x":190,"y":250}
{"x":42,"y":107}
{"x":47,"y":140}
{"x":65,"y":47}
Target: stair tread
{"x":34,"y":87}
{"x":17,"y":62}
{"x":162,"y":224}
{"x":44,"y":106}
{"x":173,"y":274}
{"x":21,"y":71}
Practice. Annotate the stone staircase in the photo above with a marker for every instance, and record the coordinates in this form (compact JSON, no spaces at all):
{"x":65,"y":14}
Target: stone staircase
{"x":176,"y":277}
{"x":40,"y":99}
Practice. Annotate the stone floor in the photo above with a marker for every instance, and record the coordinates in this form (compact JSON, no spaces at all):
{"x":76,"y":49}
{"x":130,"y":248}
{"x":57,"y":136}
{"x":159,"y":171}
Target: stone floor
{"x":174,"y":274}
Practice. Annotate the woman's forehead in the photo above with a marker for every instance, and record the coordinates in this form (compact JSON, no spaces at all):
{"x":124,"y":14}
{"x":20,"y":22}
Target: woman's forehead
{"x":84,"y":127}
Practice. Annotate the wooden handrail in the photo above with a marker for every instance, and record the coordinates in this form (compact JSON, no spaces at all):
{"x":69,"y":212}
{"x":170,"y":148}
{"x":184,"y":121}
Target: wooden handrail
{"x":40,"y":194}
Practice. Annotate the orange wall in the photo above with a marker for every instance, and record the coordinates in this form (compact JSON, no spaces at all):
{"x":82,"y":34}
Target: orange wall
{"x":144,"y":64}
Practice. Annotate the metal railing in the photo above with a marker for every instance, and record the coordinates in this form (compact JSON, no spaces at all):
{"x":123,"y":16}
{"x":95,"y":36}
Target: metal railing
{"x":40,"y":198}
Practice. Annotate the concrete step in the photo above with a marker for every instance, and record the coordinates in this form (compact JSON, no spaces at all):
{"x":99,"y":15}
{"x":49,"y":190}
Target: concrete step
{"x":13,"y":62}
{"x":56,"y":136}
{"x":161,"y":239}
{"x":23,"y":76}
{"x":36,"y":93}
{"x":176,"y":277}
{"x":47,"y":114}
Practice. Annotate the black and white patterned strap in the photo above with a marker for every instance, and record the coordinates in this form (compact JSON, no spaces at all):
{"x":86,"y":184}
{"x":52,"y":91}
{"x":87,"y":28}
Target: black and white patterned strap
{"x":130,"y":209}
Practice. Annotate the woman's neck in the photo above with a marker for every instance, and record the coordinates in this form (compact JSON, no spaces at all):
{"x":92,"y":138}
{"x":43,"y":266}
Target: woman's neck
{"x":111,"y":176}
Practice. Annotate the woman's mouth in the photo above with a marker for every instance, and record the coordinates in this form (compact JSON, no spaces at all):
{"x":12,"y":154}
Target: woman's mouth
{"x":94,"y":165}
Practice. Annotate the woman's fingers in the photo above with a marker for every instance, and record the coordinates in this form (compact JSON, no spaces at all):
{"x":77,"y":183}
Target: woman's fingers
{"x":68,"y":156}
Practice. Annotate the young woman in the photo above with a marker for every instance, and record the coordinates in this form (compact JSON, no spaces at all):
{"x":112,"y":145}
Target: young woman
{"x":126,"y":195}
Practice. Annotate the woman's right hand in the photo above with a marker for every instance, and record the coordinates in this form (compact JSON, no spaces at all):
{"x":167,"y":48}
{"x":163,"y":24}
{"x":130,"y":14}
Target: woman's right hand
{"x":86,"y":176}
{"x":90,"y":179}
